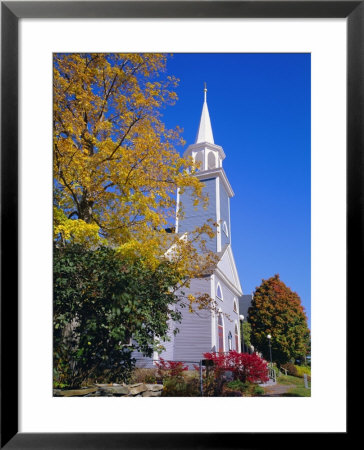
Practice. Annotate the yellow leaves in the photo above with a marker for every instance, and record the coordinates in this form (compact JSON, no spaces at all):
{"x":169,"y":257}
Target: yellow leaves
{"x":191,"y":299}
{"x":76,"y":231}
{"x":116,"y":167}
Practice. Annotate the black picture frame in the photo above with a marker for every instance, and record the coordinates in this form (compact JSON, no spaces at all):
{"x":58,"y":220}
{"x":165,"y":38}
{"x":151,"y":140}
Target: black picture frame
{"x":11,"y":12}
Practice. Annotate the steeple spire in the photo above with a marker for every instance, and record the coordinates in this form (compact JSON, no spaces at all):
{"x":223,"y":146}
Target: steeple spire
{"x":204,"y":133}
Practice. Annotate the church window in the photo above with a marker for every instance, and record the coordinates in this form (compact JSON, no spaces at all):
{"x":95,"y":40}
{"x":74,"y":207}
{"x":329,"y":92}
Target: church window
{"x":218,"y":292}
{"x":236,"y":338}
{"x":211,"y":160}
{"x":230,"y":341}
{"x":220,"y":332}
{"x":199,"y":160}
{"x":225,"y":229}
{"x":235,"y":306}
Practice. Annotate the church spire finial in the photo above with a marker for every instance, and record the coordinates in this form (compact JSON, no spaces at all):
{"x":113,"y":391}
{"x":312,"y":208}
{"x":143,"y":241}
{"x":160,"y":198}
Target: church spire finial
{"x":204,"y":133}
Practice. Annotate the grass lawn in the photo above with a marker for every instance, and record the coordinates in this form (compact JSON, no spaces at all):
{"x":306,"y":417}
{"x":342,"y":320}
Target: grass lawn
{"x":298,"y":386}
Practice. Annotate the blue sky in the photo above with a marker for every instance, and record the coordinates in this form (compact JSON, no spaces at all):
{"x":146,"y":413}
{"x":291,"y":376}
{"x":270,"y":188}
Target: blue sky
{"x":260,"y":108}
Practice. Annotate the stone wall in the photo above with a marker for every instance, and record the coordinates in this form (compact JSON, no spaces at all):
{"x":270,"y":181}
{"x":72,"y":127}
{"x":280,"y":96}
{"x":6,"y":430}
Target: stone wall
{"x":113,"y":390}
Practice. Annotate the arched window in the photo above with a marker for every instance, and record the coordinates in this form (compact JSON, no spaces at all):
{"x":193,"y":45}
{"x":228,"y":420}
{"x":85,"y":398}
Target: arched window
{"x":219,"y":292}
{"x":230,"y":341}
{"x":199,"y":159}
{"x":235,"y":306}
{"x":236,"y":338}
{"x":211,"y":160}
{"x":220,"y":330}
{"x":225,"y":229}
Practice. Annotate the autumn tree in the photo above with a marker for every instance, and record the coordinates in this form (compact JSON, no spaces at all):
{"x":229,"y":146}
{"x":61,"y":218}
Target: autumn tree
{"x":116,"y":167}
{"x":115,"y":162}
{"x":277,"y":310}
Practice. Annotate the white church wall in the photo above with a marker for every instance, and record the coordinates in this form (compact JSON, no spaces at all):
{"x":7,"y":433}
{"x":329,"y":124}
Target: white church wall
{"x":230,"y":316}
{"x":194,"y":336}
{"x":193,"y":216}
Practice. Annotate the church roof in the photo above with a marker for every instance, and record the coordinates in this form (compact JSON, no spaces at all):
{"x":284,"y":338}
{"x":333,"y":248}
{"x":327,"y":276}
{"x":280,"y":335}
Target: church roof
{"x":245,"y":302}
{"x":204,"y":133}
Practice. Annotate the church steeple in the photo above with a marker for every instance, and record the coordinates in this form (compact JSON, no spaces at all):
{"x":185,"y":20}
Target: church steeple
{"x":204,"y":151}
{"x":204,"y":133}
{"x":208,"y":158}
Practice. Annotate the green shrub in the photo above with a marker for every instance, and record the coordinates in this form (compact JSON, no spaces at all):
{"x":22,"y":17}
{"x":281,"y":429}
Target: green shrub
{"x":178,"y":387}
{"x":237,"y":385}
{"x":301,"y":370}
{"x":291,"y":369}
{"x":258,"y":390}
{"x":237,"y":389}
{"x":143,"y":376}
{"x":231,"y":393}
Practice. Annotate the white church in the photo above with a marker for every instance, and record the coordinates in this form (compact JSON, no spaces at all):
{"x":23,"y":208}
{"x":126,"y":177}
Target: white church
{"x":207,"y":331}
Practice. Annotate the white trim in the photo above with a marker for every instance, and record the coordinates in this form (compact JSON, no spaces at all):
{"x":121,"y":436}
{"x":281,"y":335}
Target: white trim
{"x":235,"y":281}
{"x":235,"y":290}
{"x":213,"y":315}
{"x":177,"y":210}
{"x":203,"y":145}
{"x":219,"y":172}
{"x":218,"y":231}
{"x":169,"y":252}
{"x":229,"y":219}
{"x":233,"y":266}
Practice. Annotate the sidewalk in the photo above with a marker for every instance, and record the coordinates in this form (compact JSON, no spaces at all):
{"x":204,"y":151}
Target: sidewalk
{"x":276,"y":390}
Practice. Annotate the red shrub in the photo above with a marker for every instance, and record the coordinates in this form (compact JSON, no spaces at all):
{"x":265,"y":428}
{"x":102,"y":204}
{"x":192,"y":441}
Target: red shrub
{"x":170,"y":368}
{"x":244,"y":367}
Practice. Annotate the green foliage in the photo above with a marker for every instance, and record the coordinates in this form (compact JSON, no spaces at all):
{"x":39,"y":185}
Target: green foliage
{"x":238,"y":385}
{"x":180,"y":387}
{"x":301,"y":370}
{"x":237,"y":388}
{"x":291,"y":369}
{"x":246,"y":329}
{"x":258,"y":390}
{"x":101,"y":300}
{"x":297,"y":389}
{"x":143,"y":376}
{"x":276,"y":310}
{"x":290,"y":380}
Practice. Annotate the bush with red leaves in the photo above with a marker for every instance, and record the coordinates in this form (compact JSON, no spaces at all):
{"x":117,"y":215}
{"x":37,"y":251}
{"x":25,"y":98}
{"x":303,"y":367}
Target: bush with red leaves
{"x":170,"y":368}
{"x":244,"y":367}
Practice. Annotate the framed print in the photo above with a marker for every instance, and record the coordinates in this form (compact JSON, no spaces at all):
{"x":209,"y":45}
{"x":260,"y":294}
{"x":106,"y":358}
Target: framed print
{"x":32,"y":32}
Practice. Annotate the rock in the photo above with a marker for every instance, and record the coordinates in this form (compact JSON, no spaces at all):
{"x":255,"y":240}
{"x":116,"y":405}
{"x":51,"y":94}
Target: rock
{"x":138,"y":389}
{"x":114,"y":390}
{"x":155,"y":387}
{"x":152,"y":394}
{"x":135,"y":385}
{"x":76,"y":392}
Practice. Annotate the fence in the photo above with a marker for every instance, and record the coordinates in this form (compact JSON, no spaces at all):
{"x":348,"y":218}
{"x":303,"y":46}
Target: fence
{"x":272,"y":373}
